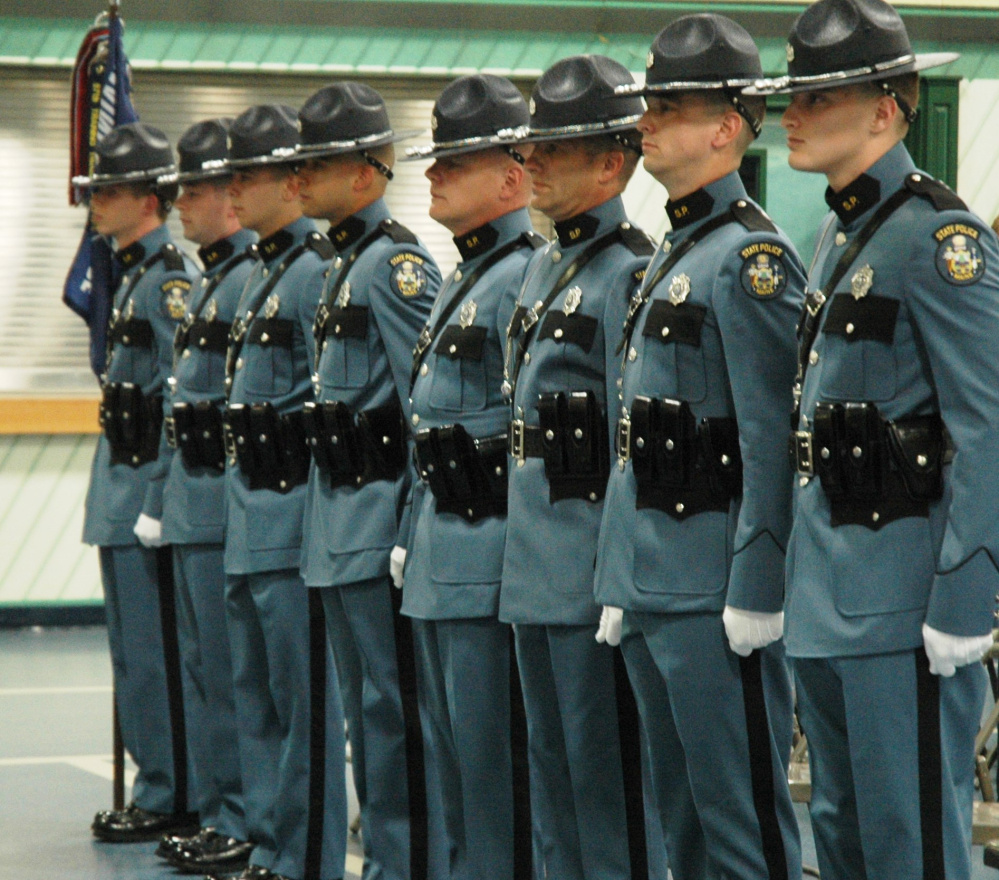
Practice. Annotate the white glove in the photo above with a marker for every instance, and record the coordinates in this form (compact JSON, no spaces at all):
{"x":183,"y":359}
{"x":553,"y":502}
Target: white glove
{"x":149,"y":531}
{"x":749,"y":630}
{"x":947,"y":652}
{"x":397,"y":562}
{"x":609,"y":630}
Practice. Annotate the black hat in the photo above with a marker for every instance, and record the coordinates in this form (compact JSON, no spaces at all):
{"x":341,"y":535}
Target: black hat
{"x":266,"y":134}
{"x":702,"y":51}
{"x":132,"y":153}
{"x":842,"y":42}
{"x":576,"y":97}
{"x":473,"y":113}
{"x":203,"y":150}
{"x":345,"y":118}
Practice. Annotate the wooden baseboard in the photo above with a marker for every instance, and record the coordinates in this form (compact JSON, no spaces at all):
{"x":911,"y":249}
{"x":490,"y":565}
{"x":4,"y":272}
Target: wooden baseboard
{"x":57,"y":415}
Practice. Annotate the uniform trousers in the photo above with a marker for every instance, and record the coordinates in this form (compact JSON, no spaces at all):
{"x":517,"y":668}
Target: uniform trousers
{"x":478,"y":745}
{"x":891,"y":749}
{"x":290,"y":719}
{"x":142,"y":635}
{"x":719,"y":729}
{"x":210,"y":711}
{"x":375,"y":662}
{"x":589,"y":829}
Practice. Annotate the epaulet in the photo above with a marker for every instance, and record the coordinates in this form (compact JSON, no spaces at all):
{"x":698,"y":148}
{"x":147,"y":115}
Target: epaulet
{"x":752,"y":217}
{"x":942,"y":197}
{"x":316,"y":241}
{"x":636,"y":241}
{"x":173,"y":259}
{"x":534,"y":239}
{"x":397,"y":232}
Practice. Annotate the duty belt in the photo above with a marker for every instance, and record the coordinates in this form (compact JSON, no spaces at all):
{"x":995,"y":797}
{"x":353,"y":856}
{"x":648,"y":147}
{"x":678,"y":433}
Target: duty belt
{"x":132,"y":422}
{"x":268,"y":446}
{"x":524,"y":441}
{"x":197,"y":431}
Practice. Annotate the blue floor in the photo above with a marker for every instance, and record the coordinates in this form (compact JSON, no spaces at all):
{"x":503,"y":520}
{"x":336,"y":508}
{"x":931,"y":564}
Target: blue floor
{"x":55,"y":764}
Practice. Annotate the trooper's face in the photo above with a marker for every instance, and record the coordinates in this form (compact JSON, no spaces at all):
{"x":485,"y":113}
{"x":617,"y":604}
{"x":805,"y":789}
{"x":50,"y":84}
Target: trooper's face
{"x":677,"y":133}
{"x":827,"y":129}
{"x":117,"y":210}
{"x":465,"y":189}
{"x":564,"y":176}
{"x":202,"y":207}
{"x":327,"y":186}
{"x":258,"y":195}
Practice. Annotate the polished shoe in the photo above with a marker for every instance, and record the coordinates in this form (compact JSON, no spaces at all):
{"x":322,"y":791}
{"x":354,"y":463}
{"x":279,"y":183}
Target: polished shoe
{"x":134,"y":824}
{"x":250,"y":872}
{"x":215,"y":852}
{"x":171,"y":844}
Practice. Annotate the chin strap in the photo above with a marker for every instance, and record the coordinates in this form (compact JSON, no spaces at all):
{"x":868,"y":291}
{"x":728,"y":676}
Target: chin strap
{"x":380,"y":167}
{"x":910,"y":113}
{"x":755,"y":124}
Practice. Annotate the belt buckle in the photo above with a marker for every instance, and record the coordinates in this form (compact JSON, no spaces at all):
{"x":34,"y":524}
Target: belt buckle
{"x":803,"y":457}
{"x":624,"y":440}
{"x":517,"y":440}
{"x":171,"y":431}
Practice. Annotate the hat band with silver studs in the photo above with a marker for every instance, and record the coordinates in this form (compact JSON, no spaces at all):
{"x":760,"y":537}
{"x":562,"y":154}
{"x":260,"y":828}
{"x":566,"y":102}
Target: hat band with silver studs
{"x":881,"y":67}
{"x":348,"y":145}
{"x":584,"y":127}
{"x":162,"y":175}
{"x":504,"y":135}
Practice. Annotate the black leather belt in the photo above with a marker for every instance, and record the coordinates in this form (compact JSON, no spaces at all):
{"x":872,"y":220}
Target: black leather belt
{"x":525,"y":441}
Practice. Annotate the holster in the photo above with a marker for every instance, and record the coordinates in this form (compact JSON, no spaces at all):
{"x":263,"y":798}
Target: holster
{"x":269,"y":447}
{"x":466,"y":476}
{"x":132,"y":423}
{"x":574,"y":445}
{"x":197,"y":429}
{"x":356,"y":452}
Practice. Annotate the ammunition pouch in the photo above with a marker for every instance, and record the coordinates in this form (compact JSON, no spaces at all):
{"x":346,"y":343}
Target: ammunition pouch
{"x":574,"y":445}
{"x":873,"y":470}
{"x":682,"y":467}
{"x":269,"y":447}
{"x":132,"y":422}
{"x":467,"y":476}
{"x":355,"y":452}
{"x":196,"y":430}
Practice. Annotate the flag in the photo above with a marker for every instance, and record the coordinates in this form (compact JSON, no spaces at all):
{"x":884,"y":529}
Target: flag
{"x":100,"y":101}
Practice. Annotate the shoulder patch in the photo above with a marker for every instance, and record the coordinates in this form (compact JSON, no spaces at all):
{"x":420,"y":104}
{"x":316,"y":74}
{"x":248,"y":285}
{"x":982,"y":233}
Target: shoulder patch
{"x":960,"y":259}
{"x":752,"y":217}
{"x":398,"y":233}
{"x":409,"y":278}
{"x":174,"y":297}
{"x":636,"y":241}
{"x":763,"y":273}
{"x":937,"y":192}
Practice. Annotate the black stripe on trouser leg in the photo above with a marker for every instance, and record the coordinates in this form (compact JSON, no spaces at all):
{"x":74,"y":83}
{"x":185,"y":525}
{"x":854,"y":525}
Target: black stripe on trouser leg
{"x":930,"y":763}
{"x":171,"y":665}
{"x":522,"y":831}
{"x":761,"y":768}
{"x":318,"y":671}
{"x":629,"y":735}
{"x":416,"y":778}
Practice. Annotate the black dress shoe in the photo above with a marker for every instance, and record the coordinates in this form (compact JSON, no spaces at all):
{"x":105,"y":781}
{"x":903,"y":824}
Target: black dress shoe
{"x":134,"y":824}
{"x":250,"y":872}
{"x":215,"y":852}
{"x":171,"y":844}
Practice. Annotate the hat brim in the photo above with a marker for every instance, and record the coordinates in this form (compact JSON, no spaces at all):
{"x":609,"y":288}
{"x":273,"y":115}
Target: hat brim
{"x":789,"y":85}
{"x":341,"y":148}
{"x":582,"y":130}
{"x":163,"y":175}
{"x":204,"y":174}
{"x":508,"y":138}
{"x":647,"y":89}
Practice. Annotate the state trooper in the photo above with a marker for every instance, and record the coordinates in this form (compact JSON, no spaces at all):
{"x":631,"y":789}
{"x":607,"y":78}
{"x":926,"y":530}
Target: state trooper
{"x":288,"y":707}
{"x":698,"y":508}
{"x":583,"y":734}
{"x":193,"y":496}
{"x":891,"y":567}
{"x":479,"y":191}
{"x":376,"y":297}
{"x":131,"y":192}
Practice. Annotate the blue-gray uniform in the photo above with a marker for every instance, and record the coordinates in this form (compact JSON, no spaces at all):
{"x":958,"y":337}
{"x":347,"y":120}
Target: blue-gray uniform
{"x":455,"y":556}
{"x":589,"y":826}
{"x":377,"y":296}
{"x":293,"y":768}
{"x":192,"y":524}
{"x":910,"y":330}
{"x":690,"y":525}
{"x":124,"y":482}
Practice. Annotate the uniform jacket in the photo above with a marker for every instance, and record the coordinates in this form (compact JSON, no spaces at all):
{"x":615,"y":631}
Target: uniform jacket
{"x":454,"y":567}
{"x":193,"y":497}
{"x":857,"y":590}
{"x":119,"y":493}
{"x":740,"y":364}
{"x":264,"y":528}
{"x":350,"y":532}
{"x":551,"y":547}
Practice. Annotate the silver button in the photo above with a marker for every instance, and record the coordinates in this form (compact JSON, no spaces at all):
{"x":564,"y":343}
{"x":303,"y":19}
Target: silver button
{"x":632,"y":354}
{"x":850,"y":328}
{"x":187,"y":353}
{"x":239,"y":363}
{"x":424,"y":370}
{"x":527,"y":358}
{"x":558,"y":334}
{"x":813,"y":358}
{"x":824,"y":452}
{"x":875,"y":516}
{"x":283,"y":484}
{"x":921,"y":460}
{"x":670,"y":444}
{"x":452,"y":348}
{"x":667,"y":247}
{"x":578,"y":433}
{"x":336,"y":329}
{"x":556,"y":256}
{"x":265,"y":337}
{"x":665,"y":332}
{"x":457,"y":274}
{"x":679,"y":507}
{"x":126,"y":339}
{"x":802,"y":481}
{"x":626,"y":226}
{"x":640,"y":442}
{"x":593,"y":496}
{"x":549,"y":434}
{"x":202,"y":341}
{"x":338,"y":262}
{"x":266,"y":272}
{"x":857,"y":451}
{"x":725,"y":459}
{"x":326,"y":344}
{"x":841,"y":238}
{"x":916,"y":178}
{"x":416,"y":419}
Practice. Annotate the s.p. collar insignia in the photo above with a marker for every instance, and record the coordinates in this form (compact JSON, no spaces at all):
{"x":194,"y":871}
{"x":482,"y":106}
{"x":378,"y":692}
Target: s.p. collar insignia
{"x":960,"y":260}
